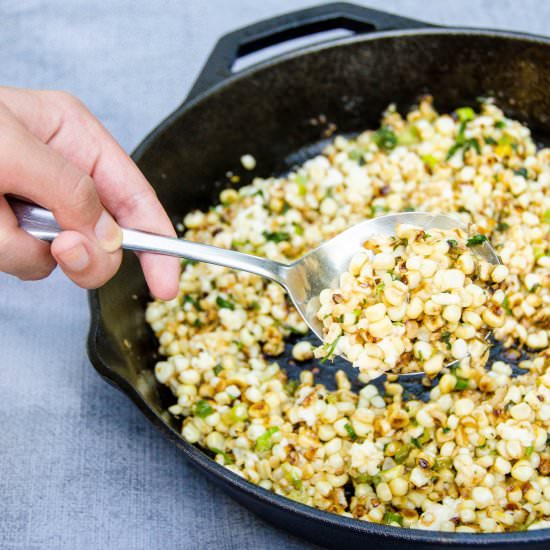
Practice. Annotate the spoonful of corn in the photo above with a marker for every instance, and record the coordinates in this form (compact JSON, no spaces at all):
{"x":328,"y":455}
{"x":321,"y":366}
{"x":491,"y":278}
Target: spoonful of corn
{"x":379,"y":293}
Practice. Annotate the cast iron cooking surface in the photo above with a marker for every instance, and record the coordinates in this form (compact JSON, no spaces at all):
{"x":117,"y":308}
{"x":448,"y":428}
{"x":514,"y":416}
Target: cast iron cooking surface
{"x":282,"y":112}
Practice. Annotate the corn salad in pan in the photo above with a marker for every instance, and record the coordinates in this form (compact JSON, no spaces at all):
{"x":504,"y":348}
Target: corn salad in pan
{"x":476,"y":456}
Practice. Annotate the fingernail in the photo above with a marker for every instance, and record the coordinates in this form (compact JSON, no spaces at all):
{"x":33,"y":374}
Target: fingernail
{"x":75,"y":259}
{"x":108,"y":233}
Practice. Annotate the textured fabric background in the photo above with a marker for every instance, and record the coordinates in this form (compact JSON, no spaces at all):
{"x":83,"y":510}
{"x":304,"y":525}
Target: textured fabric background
{"x":80,"y":468}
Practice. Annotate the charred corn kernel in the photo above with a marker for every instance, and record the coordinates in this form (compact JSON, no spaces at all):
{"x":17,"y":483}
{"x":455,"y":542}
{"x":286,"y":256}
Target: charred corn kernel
{"x":499,"y":273}
{"x":375,"y":312}
{"x":482,"y":497}
{"x":522,"y":470}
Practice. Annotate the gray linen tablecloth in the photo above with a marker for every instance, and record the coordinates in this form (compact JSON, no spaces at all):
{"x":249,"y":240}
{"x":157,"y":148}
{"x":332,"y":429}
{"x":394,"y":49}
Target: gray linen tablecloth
{"x":80,"y":468}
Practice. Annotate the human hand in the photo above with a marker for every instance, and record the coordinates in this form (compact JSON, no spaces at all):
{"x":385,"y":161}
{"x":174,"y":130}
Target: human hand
{"x":54,"y":152}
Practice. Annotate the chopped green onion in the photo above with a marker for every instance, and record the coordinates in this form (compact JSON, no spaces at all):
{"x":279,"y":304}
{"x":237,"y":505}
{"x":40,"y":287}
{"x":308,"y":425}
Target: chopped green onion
{"x":521,"y":172}
{"x":378,"y":209}
{"x":452,"y":243}
{"x":476,"y":240}
{"x":276,"y":236}
{"x":298,"y":229}
{"x":239,"y":412}
{"x":385,"y":138}
{"x":500,"y":124}
{"x":489,"y":140}
{"x":465,"y":114}
{"x":391,"y":517}
{"x":351,"y":432}
{"x":402,"y":454}
{"x":223,"y":303}
{"x":529,"y":450}
{"x":366,"y":478}
{"x":357,"y":156}
{"x":506,"y":307}
{"x":301,"y":181}
{"x":226,"y":458}
{"x":188,"y":299}
{"x":430,"y":161}
{"x":202,"y":409}
{"x":291,"y":386}
{"x":330,"y":351}
{"x":461,"y":384}
{"x":409,"y":136}
{"x":264,"y":442}
{"x":546,"y":216}
{"x":502,"y":226}
{"x":217,"y":369}
{"x":446,"y":337}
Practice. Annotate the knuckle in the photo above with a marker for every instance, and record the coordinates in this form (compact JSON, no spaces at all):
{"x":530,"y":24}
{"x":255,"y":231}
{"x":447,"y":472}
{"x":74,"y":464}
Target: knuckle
{"x":66,"y":99}
{"x":136,"y":201}
{"x":36,"y":273}
{"x":80,"y":193}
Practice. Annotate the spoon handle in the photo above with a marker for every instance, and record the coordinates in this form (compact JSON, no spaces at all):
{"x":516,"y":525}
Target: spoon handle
{"x":41,"y":223}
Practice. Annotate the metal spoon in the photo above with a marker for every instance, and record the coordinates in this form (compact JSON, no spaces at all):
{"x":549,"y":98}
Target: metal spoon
{"x":303,"y":279}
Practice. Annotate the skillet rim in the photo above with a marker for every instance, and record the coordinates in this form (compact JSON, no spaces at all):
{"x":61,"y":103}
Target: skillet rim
{"x":200,"y":458}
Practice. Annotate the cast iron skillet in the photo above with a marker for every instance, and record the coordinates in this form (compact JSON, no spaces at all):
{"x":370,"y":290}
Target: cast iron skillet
{"x":272,"y":111}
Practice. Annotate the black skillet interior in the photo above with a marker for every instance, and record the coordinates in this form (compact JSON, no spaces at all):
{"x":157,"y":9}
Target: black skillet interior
{"x":280,"y":112}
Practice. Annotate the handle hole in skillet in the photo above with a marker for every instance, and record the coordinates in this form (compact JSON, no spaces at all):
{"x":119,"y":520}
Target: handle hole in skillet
{"x":256,"y":52}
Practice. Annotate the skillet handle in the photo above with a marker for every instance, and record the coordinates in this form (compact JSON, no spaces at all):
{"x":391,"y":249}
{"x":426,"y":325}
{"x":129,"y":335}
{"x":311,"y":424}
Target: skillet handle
{"x":289,"y":26}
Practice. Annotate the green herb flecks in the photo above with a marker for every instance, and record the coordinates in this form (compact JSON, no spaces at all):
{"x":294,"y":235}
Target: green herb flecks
{"x":402,"y":454}
{"x":351,"y":432}
{"x":476,"y":240}
{"x":465,"y":114}
{"x":223,"y":303}
{"x":265,"y":442}
{"x":378,"y":209}
{"x":392,"y":517}
{"x":506,"y":306}
{"x":188,"y":299}
{"x":446,"y":337}
{"x":409,"y":136}
{"x":291,"y":386}
{"x":462,"y":143}
{"x":357,"y":156}
{"x":202,"y":409}
{"x":521,"y":172}
{"x":298,"y":229}
{"x":502,"y":226}
{"x":226,"y":458}
{"x":461,"y":384}
{"x":385,"y":138}
{"x":430,"y":161}
{"x":276,"y":236}
{"x":301,"y":182}
{"x":330,"y":351}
